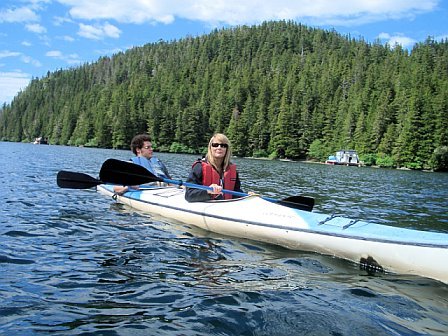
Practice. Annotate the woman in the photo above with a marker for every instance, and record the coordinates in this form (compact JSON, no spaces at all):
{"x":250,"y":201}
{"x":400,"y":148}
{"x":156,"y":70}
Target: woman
{"x":215,"y":170}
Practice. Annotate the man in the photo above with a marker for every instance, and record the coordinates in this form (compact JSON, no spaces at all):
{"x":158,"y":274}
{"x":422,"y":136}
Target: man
{"x":141,"y":146}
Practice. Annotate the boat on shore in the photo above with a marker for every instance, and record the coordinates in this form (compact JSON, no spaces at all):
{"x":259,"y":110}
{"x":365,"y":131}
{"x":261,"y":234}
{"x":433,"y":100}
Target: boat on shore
{"x":344,"y":158}
{"x":375,"y":247}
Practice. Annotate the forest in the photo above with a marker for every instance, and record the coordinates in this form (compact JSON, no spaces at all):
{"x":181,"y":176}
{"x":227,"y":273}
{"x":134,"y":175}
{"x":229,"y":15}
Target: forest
{"x":277,"y":90}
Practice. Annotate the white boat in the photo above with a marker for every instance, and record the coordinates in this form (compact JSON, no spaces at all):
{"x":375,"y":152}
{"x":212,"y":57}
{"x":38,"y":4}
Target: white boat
{"x":40,"y":141}
{"x":344,"y":157}
{"x":376,"y":247}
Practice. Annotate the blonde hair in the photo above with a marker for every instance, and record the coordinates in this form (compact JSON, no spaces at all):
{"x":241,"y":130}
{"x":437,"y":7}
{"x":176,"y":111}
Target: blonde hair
{"x":220,"y":138}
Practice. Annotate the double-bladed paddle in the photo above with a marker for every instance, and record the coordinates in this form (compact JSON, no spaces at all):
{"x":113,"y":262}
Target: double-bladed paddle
{"x":127,"y":173}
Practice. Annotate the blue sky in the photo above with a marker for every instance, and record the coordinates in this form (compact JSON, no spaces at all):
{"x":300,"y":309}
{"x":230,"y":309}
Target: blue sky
{"x":40,"y":36}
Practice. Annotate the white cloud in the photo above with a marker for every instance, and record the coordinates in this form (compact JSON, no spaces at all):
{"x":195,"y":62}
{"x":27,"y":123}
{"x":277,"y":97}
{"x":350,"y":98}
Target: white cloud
{"x":98,"y":32}
{"x":125,"y":11}
{"x":69,"y":59}
{"x":73,"y":59}
{"x":36,"y":28}
{"x":59,"y":20}
{"x":29,"y":60}
{"x":54,"y":53}
{"x":323,"y":12}
{"x":405,"y":42}
{"x":23,"y":14}
{"x":110,"y":51}
{"x":24,"y":58}
{"x":68,"y":38}
{"x":111,"y":31}
{"x":11,"y":83}
{"x":7,"y":53}
{"x":392,"y":40}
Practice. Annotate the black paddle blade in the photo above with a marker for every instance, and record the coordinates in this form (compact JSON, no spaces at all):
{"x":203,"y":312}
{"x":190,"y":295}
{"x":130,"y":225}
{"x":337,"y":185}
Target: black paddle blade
{"x":72,"y":180}
{"x":298,"y":202}
{"x":125,"y":173}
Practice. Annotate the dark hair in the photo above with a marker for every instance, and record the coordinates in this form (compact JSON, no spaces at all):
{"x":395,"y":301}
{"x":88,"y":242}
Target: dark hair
{"x":138,"y":141}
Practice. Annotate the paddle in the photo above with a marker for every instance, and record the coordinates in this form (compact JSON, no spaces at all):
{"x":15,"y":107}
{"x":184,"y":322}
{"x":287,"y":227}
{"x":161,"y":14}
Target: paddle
{"x":72,"y":180}
{"x":127,"y":173}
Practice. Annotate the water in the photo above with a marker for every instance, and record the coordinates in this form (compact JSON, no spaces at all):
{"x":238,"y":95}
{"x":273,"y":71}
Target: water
{"x":72,"y":262}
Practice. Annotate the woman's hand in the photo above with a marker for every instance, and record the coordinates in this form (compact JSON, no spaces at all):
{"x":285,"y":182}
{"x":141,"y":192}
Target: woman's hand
{"x":216,"y":189}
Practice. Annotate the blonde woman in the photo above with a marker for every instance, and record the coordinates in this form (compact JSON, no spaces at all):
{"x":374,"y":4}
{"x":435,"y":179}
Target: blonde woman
{"x":215,"y":170}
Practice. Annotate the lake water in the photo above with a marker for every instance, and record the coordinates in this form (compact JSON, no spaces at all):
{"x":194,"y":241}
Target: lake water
{"x":73,"y":262}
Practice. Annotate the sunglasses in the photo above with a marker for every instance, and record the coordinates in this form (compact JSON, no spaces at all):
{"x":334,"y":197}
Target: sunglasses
{"x":147,"y":147}
{"x":219,"y":145}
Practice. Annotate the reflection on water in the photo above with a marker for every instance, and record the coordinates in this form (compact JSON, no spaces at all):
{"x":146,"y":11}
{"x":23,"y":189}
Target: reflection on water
{"x":73,"y":262}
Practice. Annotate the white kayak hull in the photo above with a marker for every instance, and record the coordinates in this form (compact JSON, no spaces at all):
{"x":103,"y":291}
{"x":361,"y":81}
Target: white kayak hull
{"x":375,"y":246}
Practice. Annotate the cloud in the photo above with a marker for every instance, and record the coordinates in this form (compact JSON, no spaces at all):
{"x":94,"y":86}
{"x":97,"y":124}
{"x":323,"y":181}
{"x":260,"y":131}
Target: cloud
{"x":24,"y":58}
{"x":11,"y":83}
{"x":69,"y":59}
{"x":392,"y":40}
{"x":22,"y":14}
{"x":29,"y":60}
{"x":36,"y":28}
{"x":98,"y":32}
{"x":7,"y":53}
{"x":54,"y":53}
{"x":125,"y":11}
{"x":68,"y":38}
{"x":59,"y":20}
{"x":322,"y":12}
{"x":405,"y":42}
{"x":110,"y":51}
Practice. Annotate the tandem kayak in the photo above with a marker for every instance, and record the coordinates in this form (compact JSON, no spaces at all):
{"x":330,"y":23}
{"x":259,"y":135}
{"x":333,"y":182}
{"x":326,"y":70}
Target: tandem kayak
{"x":375,"y":247}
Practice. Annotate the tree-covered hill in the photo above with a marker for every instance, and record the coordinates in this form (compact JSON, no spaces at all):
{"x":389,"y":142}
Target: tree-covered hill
{"x":279,"y":89}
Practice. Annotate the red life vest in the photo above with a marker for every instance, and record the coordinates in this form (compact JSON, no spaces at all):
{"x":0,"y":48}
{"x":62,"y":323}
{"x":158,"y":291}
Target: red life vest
{"x":210,"y":176}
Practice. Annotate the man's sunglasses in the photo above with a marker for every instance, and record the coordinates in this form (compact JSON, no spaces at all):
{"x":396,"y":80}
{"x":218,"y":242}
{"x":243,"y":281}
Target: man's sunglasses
{"x":220,"y":145}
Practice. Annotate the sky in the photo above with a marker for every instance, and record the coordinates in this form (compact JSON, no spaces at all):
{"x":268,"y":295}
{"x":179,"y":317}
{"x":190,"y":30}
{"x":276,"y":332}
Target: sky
{"x":41,"y":36}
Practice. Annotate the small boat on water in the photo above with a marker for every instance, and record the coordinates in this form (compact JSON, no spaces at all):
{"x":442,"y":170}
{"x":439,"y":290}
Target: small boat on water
{"x":345,"y":158}
{"x":375,"y":247}
{"x":289,"y":222}
{"x":40,"y":141}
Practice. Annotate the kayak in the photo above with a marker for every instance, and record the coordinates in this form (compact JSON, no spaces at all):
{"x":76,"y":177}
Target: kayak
{"x":376,"y":247}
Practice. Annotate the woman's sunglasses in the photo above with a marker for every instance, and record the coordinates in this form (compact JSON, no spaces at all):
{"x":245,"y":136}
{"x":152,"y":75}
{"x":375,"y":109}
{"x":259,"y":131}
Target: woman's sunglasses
{"x":220,"y":145}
